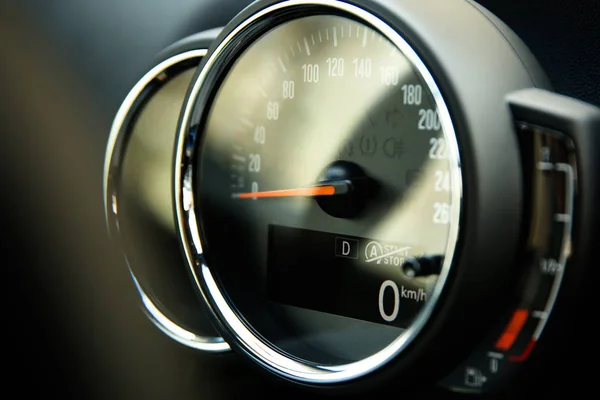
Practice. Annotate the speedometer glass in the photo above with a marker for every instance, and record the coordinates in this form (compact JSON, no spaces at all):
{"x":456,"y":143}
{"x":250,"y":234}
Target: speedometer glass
{"x":327,"y":188}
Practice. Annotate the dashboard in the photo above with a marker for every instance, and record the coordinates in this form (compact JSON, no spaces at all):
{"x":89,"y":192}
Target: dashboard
{"x":324,"y":197}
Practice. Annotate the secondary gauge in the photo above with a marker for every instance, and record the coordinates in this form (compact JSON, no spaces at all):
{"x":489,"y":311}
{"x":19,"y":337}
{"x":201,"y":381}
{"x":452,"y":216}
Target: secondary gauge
{"x":139,"y":209}
{"x":350,"y":188}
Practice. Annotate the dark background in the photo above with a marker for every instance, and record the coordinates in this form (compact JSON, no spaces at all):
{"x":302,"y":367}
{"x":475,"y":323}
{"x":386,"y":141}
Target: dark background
{"x":74,"y":324}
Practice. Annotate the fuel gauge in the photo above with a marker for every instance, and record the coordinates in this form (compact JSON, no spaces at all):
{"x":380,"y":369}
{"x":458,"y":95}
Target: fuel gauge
{"x":550,"y":173}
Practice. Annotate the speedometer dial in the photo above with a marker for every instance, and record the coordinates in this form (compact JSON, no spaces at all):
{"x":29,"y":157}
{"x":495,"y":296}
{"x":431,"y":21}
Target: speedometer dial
{"x":326,"y":191}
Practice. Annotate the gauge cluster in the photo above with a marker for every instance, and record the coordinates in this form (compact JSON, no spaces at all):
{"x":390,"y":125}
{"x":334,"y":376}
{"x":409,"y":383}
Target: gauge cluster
{"x":359,"y":193}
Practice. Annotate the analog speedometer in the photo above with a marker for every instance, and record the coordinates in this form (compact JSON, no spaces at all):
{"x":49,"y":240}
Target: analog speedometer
{"x":328,"y":188}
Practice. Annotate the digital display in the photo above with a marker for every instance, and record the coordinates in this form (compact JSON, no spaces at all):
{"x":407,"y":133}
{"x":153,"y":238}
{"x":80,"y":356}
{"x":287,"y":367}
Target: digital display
{"x":344,"y":275}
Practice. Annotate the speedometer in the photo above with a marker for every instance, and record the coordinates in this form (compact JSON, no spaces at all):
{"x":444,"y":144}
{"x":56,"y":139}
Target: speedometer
{"x":362,"y":188}
{"x":329,"y":188}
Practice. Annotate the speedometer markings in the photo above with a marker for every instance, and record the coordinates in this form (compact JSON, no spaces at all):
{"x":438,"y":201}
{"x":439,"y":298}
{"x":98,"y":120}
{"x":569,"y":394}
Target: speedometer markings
{"x":239,"y":158}
{"x":364,"y":41}
{"x":306,"y":46}
{"x":262,"y":91}
{"x":293,"y":52}
{"x":247,"y":122}
{"x":320,"y":37}
{"x":281,"y":64}
{"x":334,"y":37}
{"x":299,"y":48}
{"x":312,"y":38}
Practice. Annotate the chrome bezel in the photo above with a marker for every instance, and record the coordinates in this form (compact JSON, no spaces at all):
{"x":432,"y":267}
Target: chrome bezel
{"x":112,"y":169}
{"x":237,"y":331}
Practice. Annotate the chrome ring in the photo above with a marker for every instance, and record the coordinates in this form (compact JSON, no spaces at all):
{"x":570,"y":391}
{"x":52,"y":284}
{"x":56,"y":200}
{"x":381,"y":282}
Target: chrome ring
{"x":112,"y":164}
{"x":253,"y":345}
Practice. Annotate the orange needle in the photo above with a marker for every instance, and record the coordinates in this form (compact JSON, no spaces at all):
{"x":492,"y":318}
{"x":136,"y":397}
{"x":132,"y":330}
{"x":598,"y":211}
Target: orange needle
{"x":339,"y":187}
{"x":301,"y":192}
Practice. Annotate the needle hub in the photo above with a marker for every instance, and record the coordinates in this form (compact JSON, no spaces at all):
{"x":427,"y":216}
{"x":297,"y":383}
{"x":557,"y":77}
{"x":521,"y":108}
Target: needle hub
{"x":359,"y":188}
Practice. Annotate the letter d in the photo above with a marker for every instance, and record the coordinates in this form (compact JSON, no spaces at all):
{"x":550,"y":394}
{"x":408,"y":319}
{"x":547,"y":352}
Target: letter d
{"x":345,"y":248}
